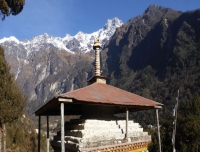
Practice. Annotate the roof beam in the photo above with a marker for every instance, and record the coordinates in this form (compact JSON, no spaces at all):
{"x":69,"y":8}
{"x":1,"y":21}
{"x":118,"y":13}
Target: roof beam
{"x":65,"y":100}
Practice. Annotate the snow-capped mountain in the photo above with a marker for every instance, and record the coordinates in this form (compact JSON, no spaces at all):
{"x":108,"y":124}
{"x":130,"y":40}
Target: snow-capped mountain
{"x":79,"y":42}
{"x":47,"y":65}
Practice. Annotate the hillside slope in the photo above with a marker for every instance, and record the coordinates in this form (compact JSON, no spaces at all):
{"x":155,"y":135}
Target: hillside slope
{"x":156,"y":54}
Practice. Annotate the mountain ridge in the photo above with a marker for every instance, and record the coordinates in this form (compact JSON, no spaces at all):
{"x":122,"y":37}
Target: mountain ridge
{"x":84,"y":41}
{"x":156,"y":59}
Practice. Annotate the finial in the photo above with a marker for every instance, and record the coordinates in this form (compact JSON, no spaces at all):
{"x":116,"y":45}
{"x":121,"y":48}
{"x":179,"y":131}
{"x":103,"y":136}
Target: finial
{"x":97,"y":78}
{"x":97,"y":44}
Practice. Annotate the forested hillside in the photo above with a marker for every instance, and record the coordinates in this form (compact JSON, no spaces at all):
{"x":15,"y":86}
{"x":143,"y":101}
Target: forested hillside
{"x":17,"y":131}
{"x":155,"y":55}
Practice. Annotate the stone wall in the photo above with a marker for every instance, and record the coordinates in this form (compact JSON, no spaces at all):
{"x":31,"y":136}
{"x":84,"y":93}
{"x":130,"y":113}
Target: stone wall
{"x":83,"y":134}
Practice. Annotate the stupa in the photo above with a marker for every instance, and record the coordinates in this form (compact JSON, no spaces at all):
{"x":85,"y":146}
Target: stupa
{"x":97,"y":129}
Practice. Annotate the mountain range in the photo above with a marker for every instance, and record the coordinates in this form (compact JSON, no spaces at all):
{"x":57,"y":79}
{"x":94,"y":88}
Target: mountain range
{"x":153,"y":54}
{"x":46,"y":65}
{"x":80,"y":42}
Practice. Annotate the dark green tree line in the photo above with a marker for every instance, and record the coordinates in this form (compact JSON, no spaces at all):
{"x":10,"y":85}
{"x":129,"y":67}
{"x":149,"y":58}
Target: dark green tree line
{"x":187,"y":131}
{"x":17,"y":131}
{"x":166,"y":60}
{"x":12,"y":102}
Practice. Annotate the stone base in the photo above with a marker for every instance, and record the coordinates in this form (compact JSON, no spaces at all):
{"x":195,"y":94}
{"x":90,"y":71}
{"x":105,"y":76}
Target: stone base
{"x":83,"y":134}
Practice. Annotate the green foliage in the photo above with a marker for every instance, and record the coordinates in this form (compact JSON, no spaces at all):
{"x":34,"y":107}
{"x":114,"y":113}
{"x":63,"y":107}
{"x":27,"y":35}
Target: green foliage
{"x":8,"y":7}
{"x":166,"y":60}
{"x":11,"y":100}
{"x":153,"y":146}
{"x":187,"y":131}
{"x":188,"y":126}
{"x":21,"y":136}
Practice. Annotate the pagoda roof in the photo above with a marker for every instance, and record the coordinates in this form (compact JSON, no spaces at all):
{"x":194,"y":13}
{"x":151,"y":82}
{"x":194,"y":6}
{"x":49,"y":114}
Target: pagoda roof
{"x":97,"y":94}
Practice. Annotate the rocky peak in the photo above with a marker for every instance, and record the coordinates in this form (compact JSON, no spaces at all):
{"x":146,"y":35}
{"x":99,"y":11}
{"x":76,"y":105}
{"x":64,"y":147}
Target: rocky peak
{"x":115,"y":22}
{"x":43,"y":36}
{"x":154,"y":9}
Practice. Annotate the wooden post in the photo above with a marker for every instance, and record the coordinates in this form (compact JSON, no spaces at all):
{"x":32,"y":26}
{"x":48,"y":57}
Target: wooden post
{"x":4,"y":137}
{"x":127,"y":119}
{"x":39,"y":121}
{"x":47,"y":133}
{"x":175,"y":121}
{"x":0,"y":139}
{"x":62,"y":128}
{"x":158,"y":126}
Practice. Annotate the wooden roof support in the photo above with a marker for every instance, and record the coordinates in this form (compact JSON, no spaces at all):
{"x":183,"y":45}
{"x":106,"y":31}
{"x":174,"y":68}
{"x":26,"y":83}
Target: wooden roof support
{"x":48,"y":139}
{"x":127,"y":118}
{"x":39,"y":128}
{"x":158,"y":126}
{"x":62,"y":127}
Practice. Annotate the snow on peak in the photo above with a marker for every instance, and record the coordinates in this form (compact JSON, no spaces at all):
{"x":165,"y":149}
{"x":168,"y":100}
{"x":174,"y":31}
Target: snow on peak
{"x":41,"y":38}
{"x":87,"y":40}
{"x":10,"y":39}
{"x":45,"y":41}
{"x":115,"y":22}
{"x":80,"y":33}
{"x":81,"y":41}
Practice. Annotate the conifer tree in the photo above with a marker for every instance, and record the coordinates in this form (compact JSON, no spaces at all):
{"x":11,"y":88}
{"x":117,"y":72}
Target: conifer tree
{"x":188,"y":126}
{"x":12,"y":102}
{"x":8,"y":7}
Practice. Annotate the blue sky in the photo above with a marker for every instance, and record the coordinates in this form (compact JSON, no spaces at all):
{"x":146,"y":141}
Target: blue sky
{"x":61,"y":17}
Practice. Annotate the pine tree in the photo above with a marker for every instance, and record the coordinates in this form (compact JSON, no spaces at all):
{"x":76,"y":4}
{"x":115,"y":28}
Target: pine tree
{"x":12,"y":102}
{"x":188,"y":133}
{"x":188,"y":126}
{"x":8,"y":7}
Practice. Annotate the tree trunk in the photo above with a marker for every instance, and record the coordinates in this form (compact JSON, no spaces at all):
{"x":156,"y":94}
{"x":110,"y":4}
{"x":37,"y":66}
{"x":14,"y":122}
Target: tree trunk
{"x":4,"y":136}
